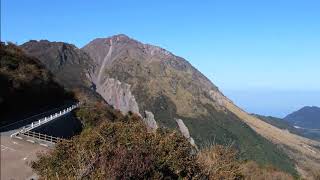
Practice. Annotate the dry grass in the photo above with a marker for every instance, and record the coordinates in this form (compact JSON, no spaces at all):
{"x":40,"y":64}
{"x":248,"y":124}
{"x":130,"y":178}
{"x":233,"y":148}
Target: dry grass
{"x":219,"y":162}
{"x":252,"y":171}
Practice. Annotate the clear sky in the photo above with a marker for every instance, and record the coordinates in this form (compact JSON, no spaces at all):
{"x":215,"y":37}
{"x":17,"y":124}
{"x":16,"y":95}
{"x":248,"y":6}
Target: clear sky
{"x":263,"y":54}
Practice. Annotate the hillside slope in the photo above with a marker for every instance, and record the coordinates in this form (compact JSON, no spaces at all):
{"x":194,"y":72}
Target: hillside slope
{"x":171,"y":88}
{"x":305,"y":152}
{"x":27,"y":88}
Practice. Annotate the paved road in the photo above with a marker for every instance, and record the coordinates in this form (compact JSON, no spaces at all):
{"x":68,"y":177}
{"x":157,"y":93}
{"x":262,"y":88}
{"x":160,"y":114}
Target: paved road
{"x":18,"y":124}
{"x":15,"y":156}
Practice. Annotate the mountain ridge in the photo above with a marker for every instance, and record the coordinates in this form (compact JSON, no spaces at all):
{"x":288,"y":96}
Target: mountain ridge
{"x":68,"y":63}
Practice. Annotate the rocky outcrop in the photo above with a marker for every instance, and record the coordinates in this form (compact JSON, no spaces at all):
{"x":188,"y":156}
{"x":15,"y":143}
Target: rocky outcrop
{"x":185,"y":131}
{"x":150,"y":121}
{"x":119,"y":95}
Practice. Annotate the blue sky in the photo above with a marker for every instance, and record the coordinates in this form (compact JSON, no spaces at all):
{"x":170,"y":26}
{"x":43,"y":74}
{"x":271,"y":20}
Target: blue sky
{"x":264,"y":55}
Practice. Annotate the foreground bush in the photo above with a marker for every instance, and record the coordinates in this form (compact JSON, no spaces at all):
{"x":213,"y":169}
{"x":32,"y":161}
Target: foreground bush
{"x":120,"y":150}
{"x":116,"y":146}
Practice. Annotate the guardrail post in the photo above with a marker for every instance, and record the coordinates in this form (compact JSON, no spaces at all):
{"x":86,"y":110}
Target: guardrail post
{"x":32,"y":124}
{"x":39,"y":121}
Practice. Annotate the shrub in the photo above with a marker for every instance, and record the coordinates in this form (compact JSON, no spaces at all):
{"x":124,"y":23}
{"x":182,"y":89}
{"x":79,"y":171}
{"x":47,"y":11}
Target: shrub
{"x":219,"y":162}
{"x":120,"y":150}
{"x":252,"y":171}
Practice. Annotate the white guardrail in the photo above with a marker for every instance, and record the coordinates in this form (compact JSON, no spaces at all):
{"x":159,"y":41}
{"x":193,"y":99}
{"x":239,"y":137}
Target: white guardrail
{"x":44,"y":120}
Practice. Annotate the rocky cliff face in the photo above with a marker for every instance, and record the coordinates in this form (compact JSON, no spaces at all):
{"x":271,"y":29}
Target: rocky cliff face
{"x":118,"y":94}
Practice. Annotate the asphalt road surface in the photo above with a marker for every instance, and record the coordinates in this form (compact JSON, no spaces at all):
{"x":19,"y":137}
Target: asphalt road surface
{"x":15,"y":156}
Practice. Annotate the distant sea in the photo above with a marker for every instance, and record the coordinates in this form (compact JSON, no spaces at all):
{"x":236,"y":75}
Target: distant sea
{"x":278,"y":103}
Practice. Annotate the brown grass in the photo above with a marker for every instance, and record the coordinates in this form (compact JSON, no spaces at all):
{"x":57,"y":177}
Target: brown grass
{"x":252,"y":171}
{"x":219,"y":162}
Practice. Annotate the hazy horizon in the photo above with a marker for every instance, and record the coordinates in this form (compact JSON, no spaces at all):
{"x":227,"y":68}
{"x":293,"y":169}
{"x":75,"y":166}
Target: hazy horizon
{"x":263,"y":55}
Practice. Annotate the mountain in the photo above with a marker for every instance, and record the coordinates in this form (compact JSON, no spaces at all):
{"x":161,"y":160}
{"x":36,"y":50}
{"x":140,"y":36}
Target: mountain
{"x":67,"y":63}
{"x":306,"y":117}
{"x":167,"y":91}
{"x":174,"y":91}
{"x":27,"y":87}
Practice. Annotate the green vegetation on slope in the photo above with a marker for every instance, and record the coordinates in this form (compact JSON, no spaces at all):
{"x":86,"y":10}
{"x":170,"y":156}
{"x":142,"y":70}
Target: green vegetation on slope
{"x":226,"y":128}
{"x":223,"y":127}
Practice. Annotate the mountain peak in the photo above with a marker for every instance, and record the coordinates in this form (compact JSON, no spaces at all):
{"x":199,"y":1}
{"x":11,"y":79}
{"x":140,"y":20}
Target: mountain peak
{"x":310,"y":108}
{"x":124,"y":36}
{"x":306,"y":117}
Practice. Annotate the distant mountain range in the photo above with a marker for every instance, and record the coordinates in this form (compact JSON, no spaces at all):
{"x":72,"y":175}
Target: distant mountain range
{"x":301,"y":130}
{"x":307,"y":117}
